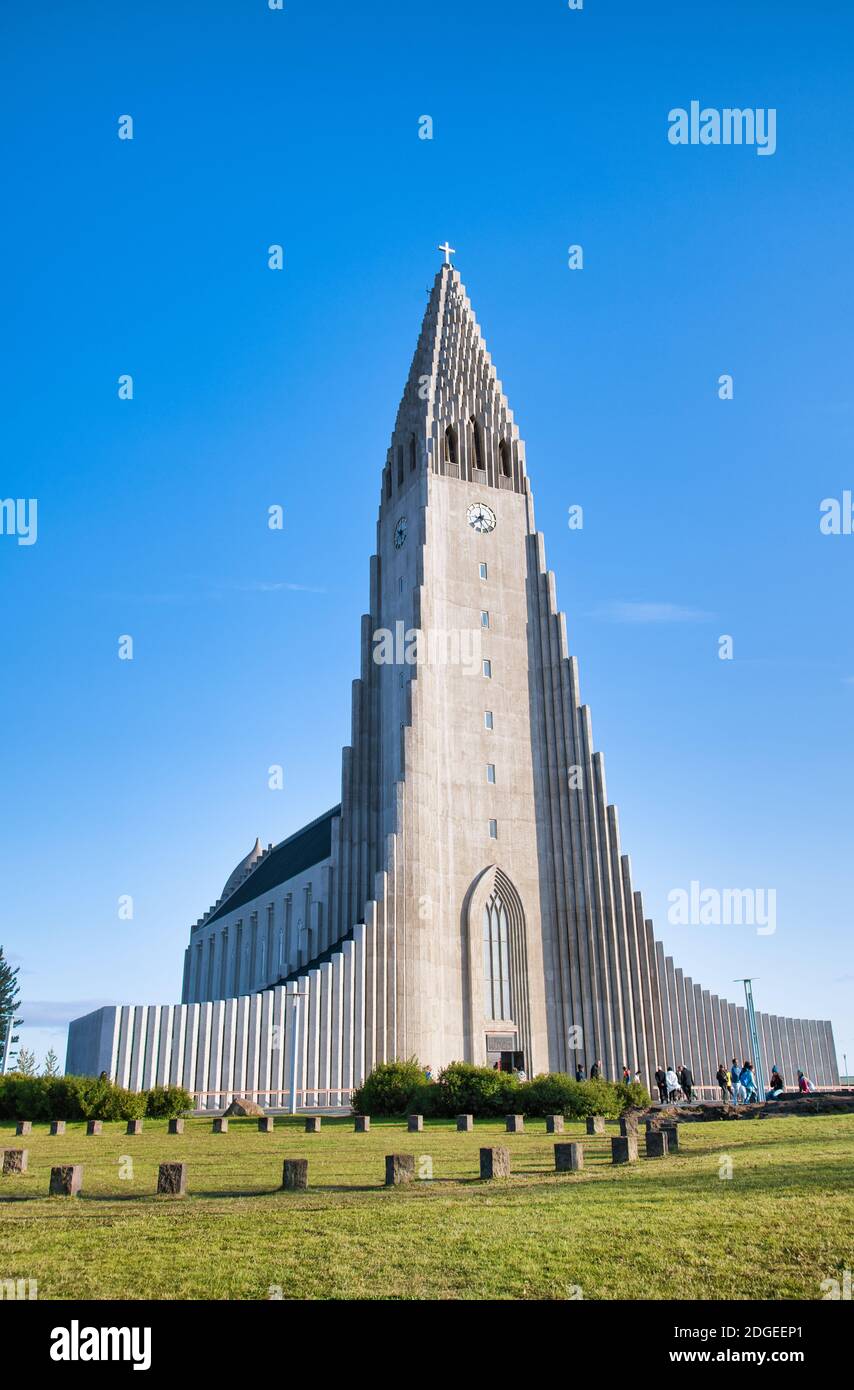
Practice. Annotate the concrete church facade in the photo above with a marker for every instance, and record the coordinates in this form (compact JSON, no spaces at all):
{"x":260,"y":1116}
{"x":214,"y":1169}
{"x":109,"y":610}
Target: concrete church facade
{"x":469,"y":897}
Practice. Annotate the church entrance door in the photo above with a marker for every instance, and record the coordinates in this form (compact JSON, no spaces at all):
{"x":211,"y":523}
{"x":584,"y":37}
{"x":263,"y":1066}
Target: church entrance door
{"x":512,"y":1061}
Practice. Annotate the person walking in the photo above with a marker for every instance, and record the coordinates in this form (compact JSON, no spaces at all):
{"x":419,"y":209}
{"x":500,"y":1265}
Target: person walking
{"x":627,"y":1076}
{"x":671,"y":1083}
{"x":596,"y":1070}
{"x":661,"y":1083}
{"x":722,"y":1078}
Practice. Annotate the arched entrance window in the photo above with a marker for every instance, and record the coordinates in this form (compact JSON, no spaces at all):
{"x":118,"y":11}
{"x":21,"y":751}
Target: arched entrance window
{"x":496,"y":959}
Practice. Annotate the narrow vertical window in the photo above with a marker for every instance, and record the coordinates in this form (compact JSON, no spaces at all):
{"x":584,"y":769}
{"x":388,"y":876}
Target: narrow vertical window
{"x":484,"y":573}
{"x":505,"y":459}
{"x":476,"y":443}
{"x":487,"y":669}
{"x":413,"y":453}
{"x":493,"y":830}
{"x":388,"y":481}
{"x":450,"y":445}
{"x":487,"y":718}
{"x":490,"y":772}
{"x":484,"y":618}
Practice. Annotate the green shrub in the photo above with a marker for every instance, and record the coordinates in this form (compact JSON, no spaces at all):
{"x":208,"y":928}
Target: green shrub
{"x":468,"y":1090}
{"x":389,"y":1089}
{"x":633,"y":1094}
{"x":44,"y":1098}
{"x":167,"y":1102}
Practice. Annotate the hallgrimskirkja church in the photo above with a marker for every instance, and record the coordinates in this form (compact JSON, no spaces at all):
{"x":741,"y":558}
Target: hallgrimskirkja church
{"x":469,"y":898}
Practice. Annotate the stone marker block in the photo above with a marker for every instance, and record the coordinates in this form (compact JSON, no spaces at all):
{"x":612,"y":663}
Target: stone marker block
{"x":172,"y":1180}
{"x":624,"y":1148}
{"x":176,"y":1126}
{"x":66,"y":1181}
{"x":134,"y":1127}
{"x":220,"y":1125}
{"x":94,"y":1126}
{"x":514,"y":1124}
{"x":554,"y":1124}
{"x":595,"y":1124}
{"x":656,"y":1143}
{"x":295,"y":1174}
{"x":672,"y":1132}
{"x":362,"y":1124}
{"x":57,"y":1126}
{"x":415,"y":1124}
{"x":399,"y":1168}
{"x":14,"y":1161}
{"x":495,"y":1163}
{"x":24,"y":1127}
{"x":569,"y":1158}
{"x":312,"y":1124}
{"x":628,"y":1125}
{"x":465,"y":1123}
{"x":266,"y":1125}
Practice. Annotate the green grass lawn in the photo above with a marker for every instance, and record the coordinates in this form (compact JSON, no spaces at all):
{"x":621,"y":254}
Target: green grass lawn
{"x":670,"y":1228}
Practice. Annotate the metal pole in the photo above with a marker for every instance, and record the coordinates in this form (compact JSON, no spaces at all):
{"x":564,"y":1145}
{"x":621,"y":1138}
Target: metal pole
{"x":7,"y":1043}
{"x":754,"y":1036}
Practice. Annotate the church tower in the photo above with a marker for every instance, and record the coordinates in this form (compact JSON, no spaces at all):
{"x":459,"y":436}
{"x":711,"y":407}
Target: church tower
{"x":474,"y":815}
{"x":468,"y":899}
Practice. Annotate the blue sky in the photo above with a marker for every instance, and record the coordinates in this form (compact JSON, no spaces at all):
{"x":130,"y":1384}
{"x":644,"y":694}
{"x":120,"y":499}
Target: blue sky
{"x":253,"y":387}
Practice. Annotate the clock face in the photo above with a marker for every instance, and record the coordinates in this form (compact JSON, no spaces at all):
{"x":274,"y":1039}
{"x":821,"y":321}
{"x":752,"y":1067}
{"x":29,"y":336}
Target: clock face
{"x":400,"y":533}
{"x":481,"y":518}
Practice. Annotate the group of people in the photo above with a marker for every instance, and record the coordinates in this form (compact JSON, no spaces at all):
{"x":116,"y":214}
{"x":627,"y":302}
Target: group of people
{"x":738,"y":1083}
{"x":674,"y":1083}
{"x":596,"y":1071}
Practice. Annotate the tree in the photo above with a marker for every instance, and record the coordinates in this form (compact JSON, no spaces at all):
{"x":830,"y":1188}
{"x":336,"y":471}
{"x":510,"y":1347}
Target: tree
{"x":26,"y":1063}
{"x":51,"y":1064}
{"x":10,"y":999}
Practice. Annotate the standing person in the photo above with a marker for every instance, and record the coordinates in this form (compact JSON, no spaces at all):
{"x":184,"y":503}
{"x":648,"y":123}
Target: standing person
{"x":638,"y":1076}
{"x":428,"y":1072}
{"x":777,"y":1086}
{"x":735,"y":1082}
{"x":661,"y":1083}
{"x":671,"y":1081}
{"x":686,"y":1080}
{"x":579,"y":1072}
{"x":722,"y":1078}
{"x":627,"y":1076}
{"x":748,"y":1083}
{"x":595,"y":1070}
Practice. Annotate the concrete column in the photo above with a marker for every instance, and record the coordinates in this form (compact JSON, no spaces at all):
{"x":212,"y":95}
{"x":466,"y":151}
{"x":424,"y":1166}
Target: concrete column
{"x":661,"y":972}
{"x":164,"y":1050}
{"x":203,"y":1051}
{"x":179,"y":1032}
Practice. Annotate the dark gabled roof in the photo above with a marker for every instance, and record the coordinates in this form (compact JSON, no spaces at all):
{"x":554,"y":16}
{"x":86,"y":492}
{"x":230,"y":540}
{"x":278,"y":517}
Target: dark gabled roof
{"x":298,"y":852}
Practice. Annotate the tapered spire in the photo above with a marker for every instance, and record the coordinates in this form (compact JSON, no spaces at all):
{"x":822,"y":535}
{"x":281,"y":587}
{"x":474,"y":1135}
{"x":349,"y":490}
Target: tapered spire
{"x":453,"y":405}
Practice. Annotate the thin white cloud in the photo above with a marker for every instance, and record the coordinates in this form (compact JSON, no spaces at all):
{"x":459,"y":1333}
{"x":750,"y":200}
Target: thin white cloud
{"x":626,"y":611}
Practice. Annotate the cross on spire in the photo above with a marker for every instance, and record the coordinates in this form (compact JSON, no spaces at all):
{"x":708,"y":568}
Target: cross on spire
{"x":449,"y":252}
